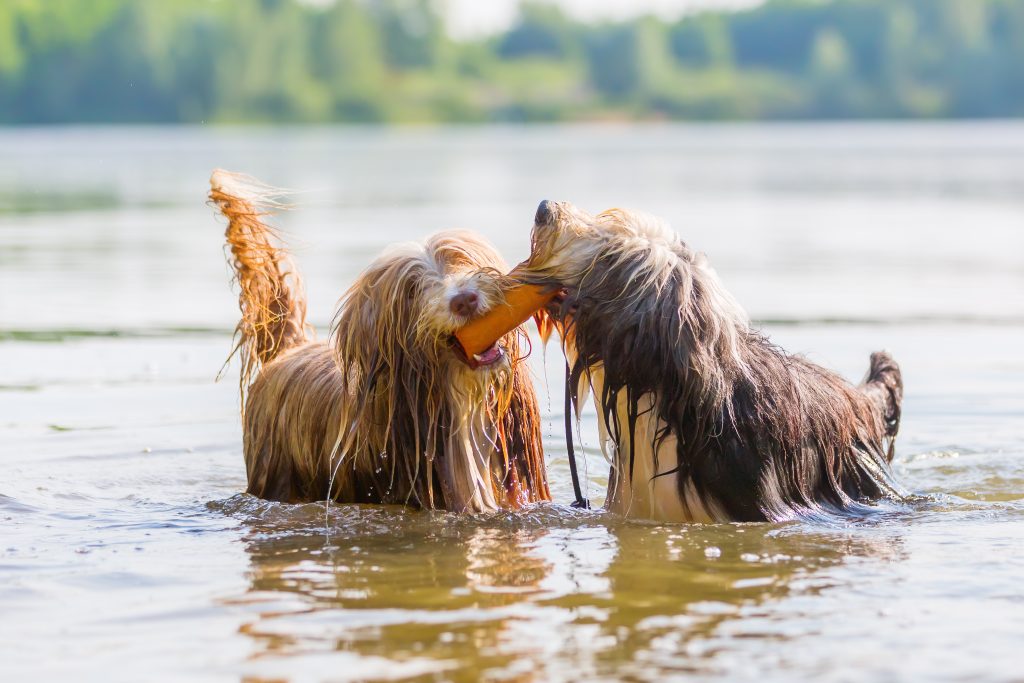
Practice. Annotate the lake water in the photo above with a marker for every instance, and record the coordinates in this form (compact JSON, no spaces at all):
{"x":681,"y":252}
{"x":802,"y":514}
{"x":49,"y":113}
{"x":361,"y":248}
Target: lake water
{"x":128,"y":551}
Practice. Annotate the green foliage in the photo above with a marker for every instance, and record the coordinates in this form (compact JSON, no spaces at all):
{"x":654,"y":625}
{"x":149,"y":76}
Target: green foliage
{"x":702,"y":41}
{"x":542,"y":31}
{"x":391,"y":61}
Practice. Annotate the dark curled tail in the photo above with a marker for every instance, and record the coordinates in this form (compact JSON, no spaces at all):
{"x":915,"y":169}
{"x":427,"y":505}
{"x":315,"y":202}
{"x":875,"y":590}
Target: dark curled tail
{"x":884,"y":385}
{"x":271,"y":296}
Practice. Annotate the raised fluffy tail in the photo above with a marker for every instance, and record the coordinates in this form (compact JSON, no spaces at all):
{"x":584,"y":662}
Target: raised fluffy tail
{"x":884,"y":385}
{"x":271,"y":295}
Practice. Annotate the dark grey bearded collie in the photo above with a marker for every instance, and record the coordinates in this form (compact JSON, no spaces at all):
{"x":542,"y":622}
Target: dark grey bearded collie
{"x":702,"y":418}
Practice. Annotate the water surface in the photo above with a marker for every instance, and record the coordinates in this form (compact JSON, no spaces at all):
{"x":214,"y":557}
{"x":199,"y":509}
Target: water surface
{"x":129,"y":553}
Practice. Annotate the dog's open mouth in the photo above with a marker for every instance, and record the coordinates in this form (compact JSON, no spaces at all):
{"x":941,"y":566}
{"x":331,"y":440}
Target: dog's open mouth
{"x":489,"y":356}
{"x":563,"y":305}
{"x":492,"y":355}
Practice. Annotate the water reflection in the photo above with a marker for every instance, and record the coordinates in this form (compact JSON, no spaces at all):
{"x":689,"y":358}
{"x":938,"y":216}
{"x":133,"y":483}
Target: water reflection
{"x":682,"y":594}
{"x":550,"y":594}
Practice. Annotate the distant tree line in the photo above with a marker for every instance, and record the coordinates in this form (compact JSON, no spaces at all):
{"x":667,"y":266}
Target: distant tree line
{"x":383,"y":61}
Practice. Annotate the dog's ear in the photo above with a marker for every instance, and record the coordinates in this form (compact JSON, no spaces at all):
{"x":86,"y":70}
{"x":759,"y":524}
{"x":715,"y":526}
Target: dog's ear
{"x":524,"y":478}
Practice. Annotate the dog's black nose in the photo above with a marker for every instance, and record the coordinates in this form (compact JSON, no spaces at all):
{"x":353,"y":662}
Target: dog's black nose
{"x":544,"y":212}
{"x":464,"y":303}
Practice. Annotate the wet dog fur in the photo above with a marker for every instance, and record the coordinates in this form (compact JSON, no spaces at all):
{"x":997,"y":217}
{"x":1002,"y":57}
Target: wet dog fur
{"x":386,"y":411}
{"x":701,"y":416}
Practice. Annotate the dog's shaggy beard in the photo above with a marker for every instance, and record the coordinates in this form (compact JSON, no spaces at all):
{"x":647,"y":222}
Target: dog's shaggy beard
{"x":387,"y":412}
{"x":720,"y":424}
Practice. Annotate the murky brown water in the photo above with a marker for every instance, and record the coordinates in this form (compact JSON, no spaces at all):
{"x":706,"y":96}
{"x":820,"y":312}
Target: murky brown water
{"x":128,"y":553}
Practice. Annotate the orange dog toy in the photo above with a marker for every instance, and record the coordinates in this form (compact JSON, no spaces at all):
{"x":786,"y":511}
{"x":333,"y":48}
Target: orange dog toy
{"x":521,"y":302}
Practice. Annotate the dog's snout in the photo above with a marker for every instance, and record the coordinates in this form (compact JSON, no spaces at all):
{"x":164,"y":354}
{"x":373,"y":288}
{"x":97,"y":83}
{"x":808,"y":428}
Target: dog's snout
{"x":465,"y":303}
{"x":544,"y":212}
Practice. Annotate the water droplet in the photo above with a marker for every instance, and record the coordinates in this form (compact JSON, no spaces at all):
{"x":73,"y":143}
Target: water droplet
{"x":712,"y":552}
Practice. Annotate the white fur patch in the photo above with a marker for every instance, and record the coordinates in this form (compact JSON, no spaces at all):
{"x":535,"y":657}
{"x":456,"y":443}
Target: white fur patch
{"x":645,"y":496}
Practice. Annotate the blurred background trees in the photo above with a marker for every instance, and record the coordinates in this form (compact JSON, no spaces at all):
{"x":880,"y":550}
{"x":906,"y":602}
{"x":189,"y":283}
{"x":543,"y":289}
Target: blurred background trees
{"x":382,"y":61}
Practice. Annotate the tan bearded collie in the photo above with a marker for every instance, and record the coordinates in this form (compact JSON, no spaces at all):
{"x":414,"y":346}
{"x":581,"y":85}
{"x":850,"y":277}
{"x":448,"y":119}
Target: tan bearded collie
{"x":701,"y":417}
{"x":387,"y":411}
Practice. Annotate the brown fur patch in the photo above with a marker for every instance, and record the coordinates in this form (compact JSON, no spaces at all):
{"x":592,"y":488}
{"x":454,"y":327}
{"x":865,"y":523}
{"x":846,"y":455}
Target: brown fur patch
{"x":385,"y":413}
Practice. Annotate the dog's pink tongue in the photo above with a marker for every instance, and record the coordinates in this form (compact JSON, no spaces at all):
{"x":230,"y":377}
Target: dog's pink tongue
{"x":491,"y":355}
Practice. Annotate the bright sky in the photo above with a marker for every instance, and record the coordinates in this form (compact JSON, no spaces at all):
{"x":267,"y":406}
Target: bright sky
{"x":477,"y":17}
